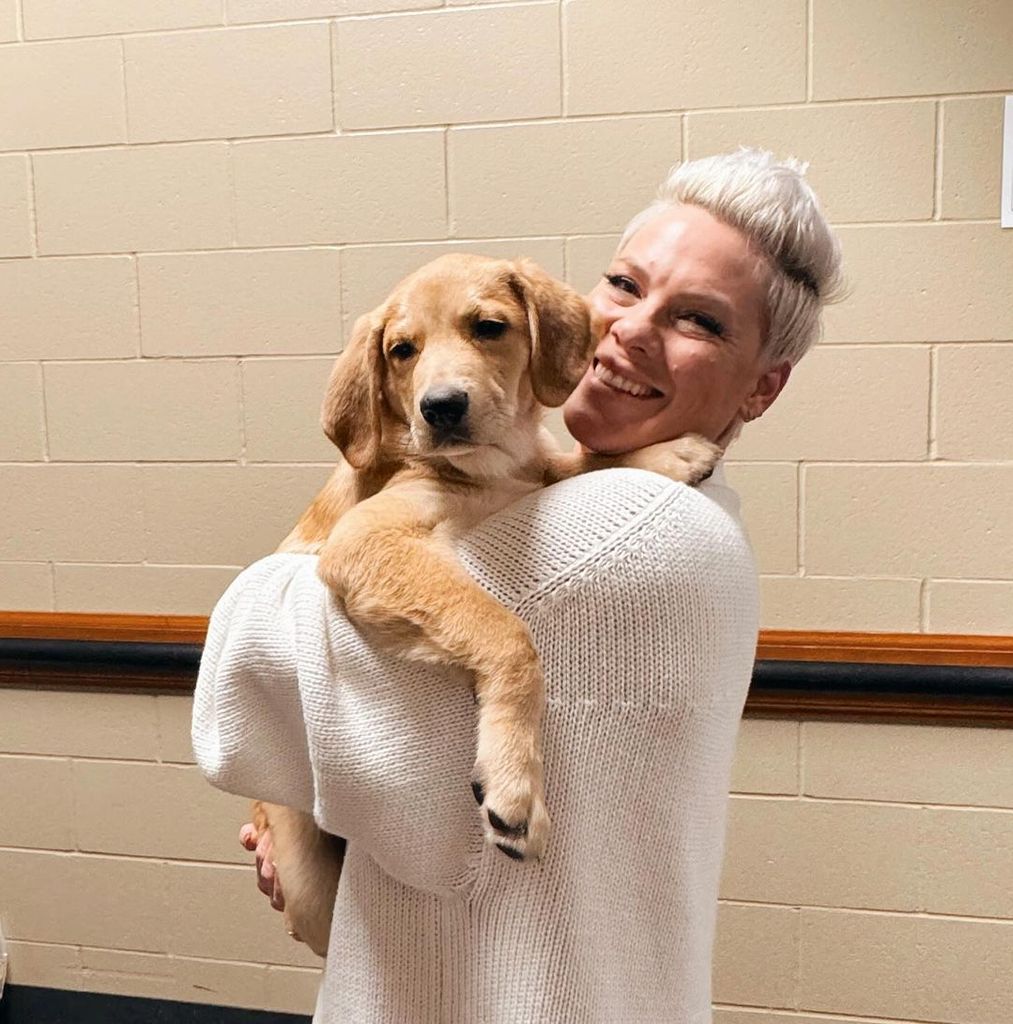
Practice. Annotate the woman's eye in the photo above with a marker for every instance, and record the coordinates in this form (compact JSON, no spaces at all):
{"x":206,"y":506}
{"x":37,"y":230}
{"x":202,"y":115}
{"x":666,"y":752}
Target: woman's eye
{"x":487,"y":330}
{"x":708,"y":323}
{"x":403,"y":350}
{"x":622,"y":282}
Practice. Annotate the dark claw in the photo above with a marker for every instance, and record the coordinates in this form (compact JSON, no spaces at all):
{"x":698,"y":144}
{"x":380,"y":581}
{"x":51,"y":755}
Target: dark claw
{"x":476,"y":788}
{"x":510,"y":851}
{"x":508,"y":830}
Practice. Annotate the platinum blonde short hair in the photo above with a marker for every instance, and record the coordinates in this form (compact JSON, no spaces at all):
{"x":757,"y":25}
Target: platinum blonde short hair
{"x":771,"y":203}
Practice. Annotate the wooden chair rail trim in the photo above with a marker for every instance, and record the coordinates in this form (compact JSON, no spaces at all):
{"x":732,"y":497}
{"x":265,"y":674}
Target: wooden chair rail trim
{"x":177,"y":629}
{"x":774,"y":644}
{"x":886,"y":648}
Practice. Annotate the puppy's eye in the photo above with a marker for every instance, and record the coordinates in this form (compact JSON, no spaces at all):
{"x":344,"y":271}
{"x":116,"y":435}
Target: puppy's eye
{"x":489,"y":329}
{"x":403,"y":350}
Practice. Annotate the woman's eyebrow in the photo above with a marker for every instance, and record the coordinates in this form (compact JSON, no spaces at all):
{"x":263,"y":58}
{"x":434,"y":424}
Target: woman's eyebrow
{"x":632,"y":264}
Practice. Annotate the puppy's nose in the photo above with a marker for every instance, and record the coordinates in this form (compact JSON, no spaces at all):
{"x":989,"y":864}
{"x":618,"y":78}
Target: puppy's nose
{"x":444,"y":408}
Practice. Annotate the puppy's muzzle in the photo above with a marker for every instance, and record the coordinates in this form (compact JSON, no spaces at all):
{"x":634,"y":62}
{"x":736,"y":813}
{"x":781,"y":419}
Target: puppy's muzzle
{"x":444,"y":409}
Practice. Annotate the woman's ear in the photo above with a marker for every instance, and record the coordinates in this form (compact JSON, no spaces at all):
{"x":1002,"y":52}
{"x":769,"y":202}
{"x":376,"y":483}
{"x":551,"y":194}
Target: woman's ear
{"x":351,"y":413}
{"x":560,"y":328}
{"x":768,"y":386}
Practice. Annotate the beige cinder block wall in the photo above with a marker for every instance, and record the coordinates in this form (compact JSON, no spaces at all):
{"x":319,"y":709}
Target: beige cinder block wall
{"x":867,"y":874}
{"x":196,"y":199}
{"x":120,"y":868}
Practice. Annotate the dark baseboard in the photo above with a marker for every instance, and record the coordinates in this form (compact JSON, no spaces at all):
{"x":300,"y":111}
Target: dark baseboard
{"x":902,"y":677}
{"x":29,"y":1004}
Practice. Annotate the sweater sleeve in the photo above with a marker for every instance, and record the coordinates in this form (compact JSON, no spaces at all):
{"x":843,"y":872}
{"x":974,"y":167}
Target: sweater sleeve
{"x":294,"y":706}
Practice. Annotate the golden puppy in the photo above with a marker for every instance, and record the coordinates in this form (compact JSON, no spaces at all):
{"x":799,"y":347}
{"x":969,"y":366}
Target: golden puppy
{"x":435,"y":405}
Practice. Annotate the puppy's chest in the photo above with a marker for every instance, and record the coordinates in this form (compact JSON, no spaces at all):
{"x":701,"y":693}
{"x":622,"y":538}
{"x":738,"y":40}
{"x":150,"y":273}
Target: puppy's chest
{"x":461,"y":512}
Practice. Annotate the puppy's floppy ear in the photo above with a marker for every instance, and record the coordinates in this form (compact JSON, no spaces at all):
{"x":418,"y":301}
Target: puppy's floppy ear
{"x":350,"y":414}
{"x":560,"y":329}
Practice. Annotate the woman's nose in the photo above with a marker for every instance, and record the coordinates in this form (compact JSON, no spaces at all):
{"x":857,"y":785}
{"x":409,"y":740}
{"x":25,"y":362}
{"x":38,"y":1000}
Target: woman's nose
{"x":634,"y":330}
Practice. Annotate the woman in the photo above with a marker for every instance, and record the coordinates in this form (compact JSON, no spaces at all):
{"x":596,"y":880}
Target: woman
{"x":641,"y":598}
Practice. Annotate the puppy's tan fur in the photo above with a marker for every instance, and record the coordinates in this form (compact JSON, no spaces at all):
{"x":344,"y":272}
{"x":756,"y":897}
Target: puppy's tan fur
{"x":385,"y":523}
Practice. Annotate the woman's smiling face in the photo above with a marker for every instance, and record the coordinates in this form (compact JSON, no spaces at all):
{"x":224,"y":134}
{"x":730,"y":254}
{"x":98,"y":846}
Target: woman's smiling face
{"x":681,"y":313}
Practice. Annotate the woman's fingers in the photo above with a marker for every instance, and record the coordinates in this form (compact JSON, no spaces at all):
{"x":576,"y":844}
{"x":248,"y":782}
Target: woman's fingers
{"x":277,"y":896}
{"x":267,"y":876}
{"x":248,"y":836}
{"x":265,"y":848}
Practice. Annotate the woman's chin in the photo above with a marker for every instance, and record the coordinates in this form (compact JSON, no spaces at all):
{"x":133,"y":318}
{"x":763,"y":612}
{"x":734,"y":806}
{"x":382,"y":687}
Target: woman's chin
{"x":592,"y":428}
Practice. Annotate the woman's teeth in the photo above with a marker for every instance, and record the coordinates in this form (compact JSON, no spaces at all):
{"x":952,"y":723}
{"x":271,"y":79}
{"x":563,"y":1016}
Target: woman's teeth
{"x":621,"y":383}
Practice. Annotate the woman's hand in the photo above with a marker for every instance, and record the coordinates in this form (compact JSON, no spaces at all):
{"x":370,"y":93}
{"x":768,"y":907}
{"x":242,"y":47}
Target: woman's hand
{"x":267,"y":878}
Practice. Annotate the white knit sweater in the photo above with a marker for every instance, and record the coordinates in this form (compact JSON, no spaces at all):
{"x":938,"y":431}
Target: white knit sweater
{"x":641,"y":598}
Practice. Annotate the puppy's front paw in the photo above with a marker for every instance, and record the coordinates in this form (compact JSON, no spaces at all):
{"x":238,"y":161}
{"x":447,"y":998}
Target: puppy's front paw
{"x":690,"y":459}
{"x":512,"y":804}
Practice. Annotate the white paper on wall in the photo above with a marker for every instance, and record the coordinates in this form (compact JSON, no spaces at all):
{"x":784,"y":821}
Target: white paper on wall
{"x":1007,"y":165}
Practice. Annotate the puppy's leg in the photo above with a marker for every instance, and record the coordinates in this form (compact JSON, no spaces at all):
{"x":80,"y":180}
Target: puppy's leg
{"x":689,"y":460}
{"x":308,"y":863}
{"x":402,"y":580}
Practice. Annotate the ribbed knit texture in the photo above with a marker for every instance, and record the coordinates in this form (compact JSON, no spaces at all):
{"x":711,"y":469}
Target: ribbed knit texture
{"x":641,"y":598}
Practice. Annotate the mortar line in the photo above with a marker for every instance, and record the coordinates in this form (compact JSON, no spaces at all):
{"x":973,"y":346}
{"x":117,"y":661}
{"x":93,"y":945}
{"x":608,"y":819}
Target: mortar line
{"x":332,"y":31}
{"x":446,"y":182}
{"x":123,"y":79}
{"x":153,"y":858}
{"x":416,"y":128}
{"x":137,"y":304}
{"x":800,"y":519}
{"x":33,"y":218}
{"x":904,"y":225}
{"x":241,"y":374}
{"x":269,"y":964}
{"x":933,"y":407}
{"x":46,"y":455}
{"x":163,"y":464}
{"x":937,"y":165}
{"x":799,"y":760}
{"x":562,"y":59}
{"x":129,"y":565}
{"x":230,"y":167}
{"x":837,"y":577}
{"x":809,"y":50}
{"x":872,"y":911}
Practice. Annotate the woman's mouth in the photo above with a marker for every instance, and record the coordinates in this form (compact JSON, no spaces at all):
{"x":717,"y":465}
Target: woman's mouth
{"x":620,"y":383}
